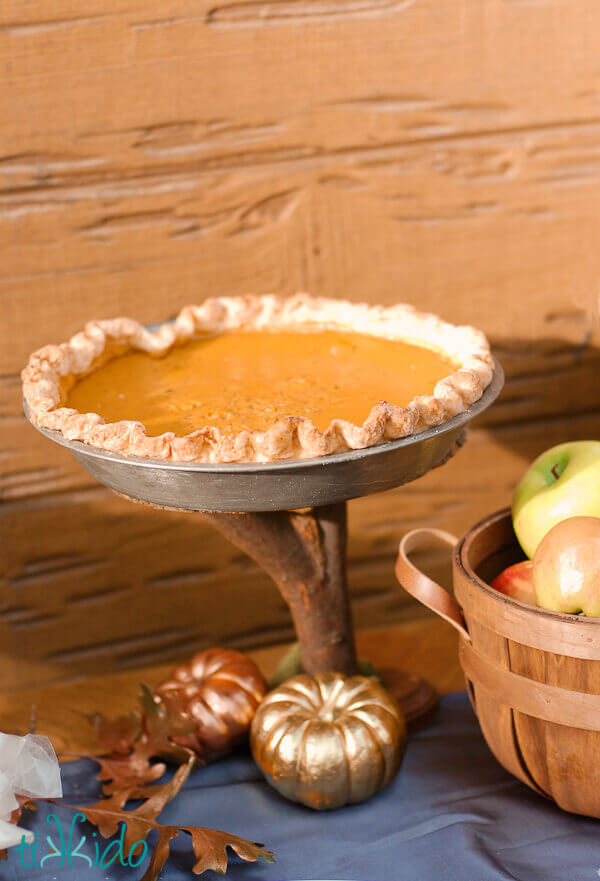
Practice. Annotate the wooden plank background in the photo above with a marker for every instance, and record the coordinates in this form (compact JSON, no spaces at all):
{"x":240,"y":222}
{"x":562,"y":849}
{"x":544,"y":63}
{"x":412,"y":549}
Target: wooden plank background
{"x":442,"y":152}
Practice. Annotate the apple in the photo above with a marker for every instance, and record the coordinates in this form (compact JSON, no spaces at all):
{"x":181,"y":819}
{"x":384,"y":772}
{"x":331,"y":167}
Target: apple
{"x":562,"y":482}
{"x":566,"y":567}
{"x":516,"y":582}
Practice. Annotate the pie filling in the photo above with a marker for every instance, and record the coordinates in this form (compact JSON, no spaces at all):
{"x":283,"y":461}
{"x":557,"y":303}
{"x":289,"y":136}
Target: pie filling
{"x":251,"y":379}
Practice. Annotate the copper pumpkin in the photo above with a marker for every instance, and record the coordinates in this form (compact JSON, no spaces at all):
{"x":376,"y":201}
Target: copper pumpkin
{"x":328,"y":740}
{"x":219,"y":691}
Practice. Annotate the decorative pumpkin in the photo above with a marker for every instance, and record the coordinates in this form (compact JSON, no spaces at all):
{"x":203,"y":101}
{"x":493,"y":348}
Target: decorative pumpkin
{"x":219,"y":691}
{"x":328,"y":740}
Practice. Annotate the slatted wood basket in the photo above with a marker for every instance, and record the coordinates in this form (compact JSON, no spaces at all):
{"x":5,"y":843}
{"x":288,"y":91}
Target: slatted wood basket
{"x":533,"y":675}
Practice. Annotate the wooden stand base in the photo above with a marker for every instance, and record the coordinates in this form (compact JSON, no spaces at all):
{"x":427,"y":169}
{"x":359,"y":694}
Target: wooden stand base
{"x":417,"y":697}
{"x":305,"y":555}
{"x":304,"y":552}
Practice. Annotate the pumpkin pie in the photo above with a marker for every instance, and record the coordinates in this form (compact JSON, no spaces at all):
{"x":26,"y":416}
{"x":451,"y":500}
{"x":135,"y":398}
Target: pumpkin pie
{"x":257,"y":379}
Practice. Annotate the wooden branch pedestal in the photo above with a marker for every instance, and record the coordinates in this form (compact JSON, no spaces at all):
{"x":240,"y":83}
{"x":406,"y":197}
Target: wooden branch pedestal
{"x":304,"y":552}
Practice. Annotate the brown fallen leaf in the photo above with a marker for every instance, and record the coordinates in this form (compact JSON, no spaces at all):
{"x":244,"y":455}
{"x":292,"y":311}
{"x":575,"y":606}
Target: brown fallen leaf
{"x":134,"y":743}
{"x":163,"y":722}
{"x":161,"y":852}
{"x":131,"y":741}
{"x":122,"y":772}
{"x":154,"y":797}
{"x":116,"y":735}
{"x":209,"y":845}
{"x":130,"y":772}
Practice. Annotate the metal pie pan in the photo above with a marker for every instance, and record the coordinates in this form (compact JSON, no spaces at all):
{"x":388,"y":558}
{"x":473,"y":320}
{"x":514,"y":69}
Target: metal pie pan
{"x":274,"y":486}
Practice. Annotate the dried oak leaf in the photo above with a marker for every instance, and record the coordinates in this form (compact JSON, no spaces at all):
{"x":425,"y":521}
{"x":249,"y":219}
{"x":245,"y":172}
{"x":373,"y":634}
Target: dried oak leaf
{"x":123,"y":772}
{"x":154,"y":797}
{"x":163,"y":721}
{"x":146,"y":732}
{"x":128,"y":773}
{"x":116,"y":735}
{"x":209,"y":845}
{"x":134,"y":740}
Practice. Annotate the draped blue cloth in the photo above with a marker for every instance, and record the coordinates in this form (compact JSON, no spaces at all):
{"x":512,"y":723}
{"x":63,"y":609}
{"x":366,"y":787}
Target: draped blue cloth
{"x":451,"y":814}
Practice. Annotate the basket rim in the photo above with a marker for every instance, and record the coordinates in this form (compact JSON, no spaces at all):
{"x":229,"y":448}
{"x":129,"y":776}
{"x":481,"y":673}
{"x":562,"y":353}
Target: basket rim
{"x":522,"y":609}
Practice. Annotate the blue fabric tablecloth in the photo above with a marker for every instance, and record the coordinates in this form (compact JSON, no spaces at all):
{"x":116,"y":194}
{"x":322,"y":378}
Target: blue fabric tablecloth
{"x":452,"y":814}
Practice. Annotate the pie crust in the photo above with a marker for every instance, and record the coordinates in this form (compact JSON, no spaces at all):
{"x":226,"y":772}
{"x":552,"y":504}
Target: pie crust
{"x":54,"y":369}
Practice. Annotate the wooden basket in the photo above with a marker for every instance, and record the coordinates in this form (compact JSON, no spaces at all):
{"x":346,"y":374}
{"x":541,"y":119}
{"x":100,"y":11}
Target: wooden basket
{"x":533,"y":675}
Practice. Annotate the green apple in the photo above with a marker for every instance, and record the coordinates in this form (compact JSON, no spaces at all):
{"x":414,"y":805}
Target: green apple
{"x":562,"y":482}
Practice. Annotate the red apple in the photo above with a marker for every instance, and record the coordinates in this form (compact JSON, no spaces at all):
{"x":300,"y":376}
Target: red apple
{"x":516,"y":582}
{"x":566,"y":567}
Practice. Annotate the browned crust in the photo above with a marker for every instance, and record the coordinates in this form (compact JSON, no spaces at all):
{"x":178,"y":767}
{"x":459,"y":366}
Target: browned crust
{"x":52,"y":369}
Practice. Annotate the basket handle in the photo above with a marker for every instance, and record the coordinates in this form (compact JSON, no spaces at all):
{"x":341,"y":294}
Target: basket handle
{"x":423,"y":588}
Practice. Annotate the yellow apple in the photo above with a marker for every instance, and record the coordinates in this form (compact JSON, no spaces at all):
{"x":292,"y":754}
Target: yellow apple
{"x":566,"y":567}
{"x":562,"y":482}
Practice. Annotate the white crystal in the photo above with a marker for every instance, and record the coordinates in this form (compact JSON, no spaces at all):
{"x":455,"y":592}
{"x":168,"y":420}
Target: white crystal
{"x":29,"y":768}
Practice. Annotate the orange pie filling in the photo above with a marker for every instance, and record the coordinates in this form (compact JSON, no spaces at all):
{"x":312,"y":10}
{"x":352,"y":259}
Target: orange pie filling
{"x":250,"y":379}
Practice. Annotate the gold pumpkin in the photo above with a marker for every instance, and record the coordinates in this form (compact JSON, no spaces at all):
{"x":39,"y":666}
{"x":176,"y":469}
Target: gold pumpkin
{"x":328,"y":740}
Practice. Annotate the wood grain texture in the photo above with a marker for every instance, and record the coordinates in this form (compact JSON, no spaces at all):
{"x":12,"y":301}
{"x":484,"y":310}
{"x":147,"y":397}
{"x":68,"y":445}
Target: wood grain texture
{"x":427,"y":647}
{"x":443,"y":153}
{"x":529,"y":700}
{"x":93,"y":583}
{"x":304,"y":553}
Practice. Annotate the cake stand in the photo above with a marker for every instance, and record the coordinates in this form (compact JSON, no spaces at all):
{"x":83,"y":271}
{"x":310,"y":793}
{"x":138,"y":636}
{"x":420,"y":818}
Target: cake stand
{"x":290,"y":517}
